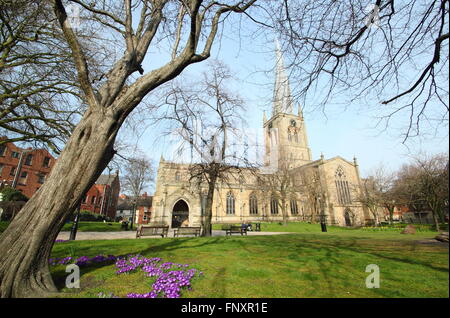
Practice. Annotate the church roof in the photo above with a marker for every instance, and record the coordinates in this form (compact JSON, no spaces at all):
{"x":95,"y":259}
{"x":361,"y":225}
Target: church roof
{"x":107,"y":179}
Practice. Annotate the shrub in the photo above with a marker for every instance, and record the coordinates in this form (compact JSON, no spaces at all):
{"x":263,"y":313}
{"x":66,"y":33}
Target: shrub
{"x":89,"y":216}
{"x":11,"y":194}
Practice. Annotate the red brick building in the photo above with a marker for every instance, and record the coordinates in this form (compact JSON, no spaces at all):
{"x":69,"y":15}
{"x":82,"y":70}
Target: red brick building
{"x":27,"y":168}
{"x":103,"y":196}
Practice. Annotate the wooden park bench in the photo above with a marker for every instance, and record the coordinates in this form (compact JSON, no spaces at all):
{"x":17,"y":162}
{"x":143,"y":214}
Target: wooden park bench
{"x":152,"y":230}
{"x":235,"y":229}
{"x":192,"y":230}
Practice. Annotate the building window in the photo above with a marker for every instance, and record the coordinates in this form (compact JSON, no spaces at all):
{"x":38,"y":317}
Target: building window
{"x":294,"y":207}
{"x":23,"y":177}
{"x":46,"y":162}
{"x":177,"y":176}
{"x":93,"y":200}
{"x":342,"y":187}
{"x":273,"y":205}
{"x":230,"y":203}
{"x":41,"y":178}
{"x":15,"y":154}
{"x":13,"y":171}
{"x":2,"y":150}
{"x":84,"y":199}
{"x":253,"y":204}
{"x":296,"y":137}
{"x":29,"y":160}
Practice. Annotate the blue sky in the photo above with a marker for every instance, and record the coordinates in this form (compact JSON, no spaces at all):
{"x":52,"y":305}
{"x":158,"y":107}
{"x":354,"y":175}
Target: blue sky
{"x":345,"y":131}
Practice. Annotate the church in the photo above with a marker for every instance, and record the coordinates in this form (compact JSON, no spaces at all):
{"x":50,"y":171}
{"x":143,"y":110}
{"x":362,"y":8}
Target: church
{"x":290,"y":185}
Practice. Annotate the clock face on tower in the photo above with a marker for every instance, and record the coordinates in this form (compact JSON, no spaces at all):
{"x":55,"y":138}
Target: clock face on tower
{"x":293,"y":123}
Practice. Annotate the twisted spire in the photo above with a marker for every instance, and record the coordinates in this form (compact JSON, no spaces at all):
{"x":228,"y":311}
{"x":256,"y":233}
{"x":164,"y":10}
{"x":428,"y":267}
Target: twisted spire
{"x":282,"y":102}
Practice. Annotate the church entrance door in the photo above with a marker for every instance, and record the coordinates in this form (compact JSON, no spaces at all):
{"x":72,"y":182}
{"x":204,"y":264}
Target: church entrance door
{"x":180,"y":213}
{"x":348,"y":220}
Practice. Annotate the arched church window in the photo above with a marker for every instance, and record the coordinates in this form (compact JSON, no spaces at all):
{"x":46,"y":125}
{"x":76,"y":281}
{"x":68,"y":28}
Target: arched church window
{"x":253,"y":204}
{"x":342,"y":187}
{"x":177,"y":176}
{"x":273,"y":205}
{"x":294,"y":207}
{"x":230,"y":203}
{"x":296,"y":137}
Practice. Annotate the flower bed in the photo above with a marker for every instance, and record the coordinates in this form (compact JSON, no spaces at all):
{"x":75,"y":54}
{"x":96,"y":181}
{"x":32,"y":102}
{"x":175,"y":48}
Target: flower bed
{"x":81,"y":261}
{"x":171,"y":278}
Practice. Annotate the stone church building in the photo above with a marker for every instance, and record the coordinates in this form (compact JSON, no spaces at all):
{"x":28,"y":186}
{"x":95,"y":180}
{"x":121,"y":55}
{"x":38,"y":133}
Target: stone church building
{"x":289,"y":186}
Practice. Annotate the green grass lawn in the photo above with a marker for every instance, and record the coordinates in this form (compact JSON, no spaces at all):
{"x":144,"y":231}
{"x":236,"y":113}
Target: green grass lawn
{"x":308,"y":264}
{"x":304,"y":227}
{"x":95,"y":227}
{"x":294,"y":227}
{"x":83,"y":226}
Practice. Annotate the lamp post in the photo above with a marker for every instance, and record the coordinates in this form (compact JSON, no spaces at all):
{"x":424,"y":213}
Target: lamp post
{"x":74,"y":229}
{"x":132,"y":214}
{"x":323,"y":220}
{"x":1,"y":199}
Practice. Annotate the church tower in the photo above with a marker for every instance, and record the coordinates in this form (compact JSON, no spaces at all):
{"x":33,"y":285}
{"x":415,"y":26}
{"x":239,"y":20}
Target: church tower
{"x":286,"y":142}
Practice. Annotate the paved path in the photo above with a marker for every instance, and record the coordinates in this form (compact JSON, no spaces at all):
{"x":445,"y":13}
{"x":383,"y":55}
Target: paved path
{"x":132,"y":235}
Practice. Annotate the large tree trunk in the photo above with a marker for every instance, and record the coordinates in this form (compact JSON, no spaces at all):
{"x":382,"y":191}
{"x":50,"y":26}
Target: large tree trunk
{"x":26,"y":244}
{"x":284,"y":212}
{"x":207,"y":220}
{"x":436,"y":220}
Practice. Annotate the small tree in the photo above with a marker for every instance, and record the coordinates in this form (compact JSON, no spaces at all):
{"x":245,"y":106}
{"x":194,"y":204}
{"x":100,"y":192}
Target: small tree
{"x":370,"y":197}
{"x":138,"y":173}
{"x":424,"y":184}
{"x":383,"y":190}
{"x":313,"y":191}
{"x":11,"y":194}
{"x":281,"y":184}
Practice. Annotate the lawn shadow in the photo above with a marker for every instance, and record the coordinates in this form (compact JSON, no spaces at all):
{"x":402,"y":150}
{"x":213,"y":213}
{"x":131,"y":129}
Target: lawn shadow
{"x":170,"y":244}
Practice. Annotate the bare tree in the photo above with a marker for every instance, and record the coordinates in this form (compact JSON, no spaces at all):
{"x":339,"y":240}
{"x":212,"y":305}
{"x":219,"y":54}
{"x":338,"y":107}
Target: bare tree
{"x":423,"y":185}
{"x":408,"y":191}
{"x":207,"y":118}
{"x":281,"y":185}
{"x":40,"y":99}
{"x":138,"y":174}
{"x":385,"y":50}
{"x":370,"y":197}
{"x":313,"y":191}
{"x":388,"y":197}
{"x":191,"y":27}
